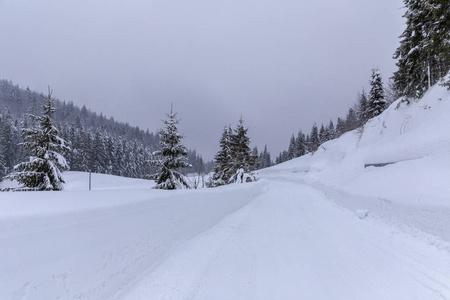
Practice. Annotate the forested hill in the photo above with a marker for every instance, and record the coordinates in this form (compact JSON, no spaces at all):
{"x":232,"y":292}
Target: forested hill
{"x":98,"y":144}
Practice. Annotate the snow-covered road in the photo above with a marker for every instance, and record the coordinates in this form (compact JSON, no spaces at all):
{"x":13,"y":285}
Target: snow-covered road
{"x":278,"y":238}
{"x":293,"y":243}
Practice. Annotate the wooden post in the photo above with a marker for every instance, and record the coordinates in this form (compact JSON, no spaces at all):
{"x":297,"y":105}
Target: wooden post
{"x":89,"y":180}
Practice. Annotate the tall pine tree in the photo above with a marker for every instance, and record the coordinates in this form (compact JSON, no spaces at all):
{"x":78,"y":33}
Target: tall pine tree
{"x":173,"y":156}
{"x":235,"y":160}
{"x":43,"y":170}
{"x":222,"y":159}
{"x":377,"y":103}
{"x":242,"y":158}
{"x":424,"y":51}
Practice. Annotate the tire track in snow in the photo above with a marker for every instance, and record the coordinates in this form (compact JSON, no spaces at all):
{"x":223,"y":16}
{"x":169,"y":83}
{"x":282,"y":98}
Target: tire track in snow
{"x":294,"y":243}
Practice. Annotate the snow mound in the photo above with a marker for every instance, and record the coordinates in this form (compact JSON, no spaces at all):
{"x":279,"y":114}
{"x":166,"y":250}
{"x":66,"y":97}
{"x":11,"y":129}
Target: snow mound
{"x":398,"y":166}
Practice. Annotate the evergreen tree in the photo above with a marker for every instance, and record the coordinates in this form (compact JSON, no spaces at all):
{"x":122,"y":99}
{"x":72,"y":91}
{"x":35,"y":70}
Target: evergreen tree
{"x":291,"y":149}
{"x":377,"y":103}
{"x":99,"y":156}
{"x":255,"y":154}
{"x":351,"y":121}
{"x":173,"y":156}
{"x":235,"y":160}
{"x":8,"y":142}
{"x":331,"y":131}
{"x":43,"y":170}
{"x":340,"y":127}
{"x":424,"y":51}
{"x":282,"y":157}
{"x":264,"y":158}
{"x":314,"y":141}
{"x":242,"y":158}
{"x":300,"y":144}
{"x":361,"y":108}
{"x":223,"y":159}
{"x":322,"y":135}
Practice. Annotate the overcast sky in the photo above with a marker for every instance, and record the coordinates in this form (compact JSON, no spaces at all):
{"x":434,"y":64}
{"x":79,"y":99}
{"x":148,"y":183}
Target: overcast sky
{"x":281,"y":64}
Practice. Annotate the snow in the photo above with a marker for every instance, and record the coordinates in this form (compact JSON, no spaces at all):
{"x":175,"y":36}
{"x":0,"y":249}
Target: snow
{"x":325,"y":226}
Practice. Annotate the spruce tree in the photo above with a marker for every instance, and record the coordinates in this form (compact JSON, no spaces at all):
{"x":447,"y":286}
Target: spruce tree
{"x":314,"y":141}
{"x":264,"y":158}
{"x":351,"y":120}
{"x":424,"y":51}
{"x":377,"y":103}
{"x":7,"y":142}
{"x":340,"y":127}
{"x":361,"y":108}
{"x":291,"y":149}
{"x":331,"y":131}
{"x":43,"y":170}
{"x":173,"y":156}
{"x":242,"y":161}
{"x":300,"y":144}
{"x":235,"y":160}
{"x":322,"y":135}
{"x":222,"y":159}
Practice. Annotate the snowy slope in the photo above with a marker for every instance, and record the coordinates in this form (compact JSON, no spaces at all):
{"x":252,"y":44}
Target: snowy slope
{"x":80,"y":244}
{"x":415,"y":189}
{"x":318,"y":227}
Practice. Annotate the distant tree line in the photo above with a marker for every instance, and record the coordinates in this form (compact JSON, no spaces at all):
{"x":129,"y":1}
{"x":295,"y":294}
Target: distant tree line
{"x":96,"y":143}
{"x":366,"y":107}
{"x":423,"y":59}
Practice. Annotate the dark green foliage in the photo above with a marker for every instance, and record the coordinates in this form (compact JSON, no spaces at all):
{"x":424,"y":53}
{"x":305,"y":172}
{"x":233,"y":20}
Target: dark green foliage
{"x":361,"y":108}
{"x":235,"y":160}
{"x":300,"y":144}
{"x":8,"y":141}
{"x":291,"y":149}
{"x":264,"y":159}
{"x":43,"y":170}
{"x":223,"y":159}
{"x":424,"y":51}
{"x":376,"y":104}
{"x":314,"y":141}
{"x":351,"y":120}
{"x":173,"y":156}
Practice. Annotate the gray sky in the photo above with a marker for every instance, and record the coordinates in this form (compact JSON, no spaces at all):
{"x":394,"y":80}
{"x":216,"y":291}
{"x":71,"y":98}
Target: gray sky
{"x":281,"y":64}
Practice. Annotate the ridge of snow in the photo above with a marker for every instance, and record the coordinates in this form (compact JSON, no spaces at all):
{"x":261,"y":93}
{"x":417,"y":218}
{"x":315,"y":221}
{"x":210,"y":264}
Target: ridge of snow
{"x":414,"y":139}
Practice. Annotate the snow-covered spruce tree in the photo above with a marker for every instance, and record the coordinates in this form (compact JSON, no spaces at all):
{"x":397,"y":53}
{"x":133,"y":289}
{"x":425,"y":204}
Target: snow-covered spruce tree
{"x":264,"y":158}
{"x":235,"y":160}
{"x":300,"y":144}
{"x":43,"y":170}
{"x":424,"y":51}
{"x":314,"y":141}
{"x":222,"y":159}
{"x":377,"y":103}
{"x":361,"y":108}
{"x":173,"y":156}
{"x":8,"y":142}
{"x":242,"y":159}
{"x":291,"y":148}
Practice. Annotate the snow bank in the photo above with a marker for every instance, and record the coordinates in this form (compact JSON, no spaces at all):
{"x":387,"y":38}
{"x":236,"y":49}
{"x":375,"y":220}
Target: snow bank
{"x":79,"y":244}
{"x":413,"y":187}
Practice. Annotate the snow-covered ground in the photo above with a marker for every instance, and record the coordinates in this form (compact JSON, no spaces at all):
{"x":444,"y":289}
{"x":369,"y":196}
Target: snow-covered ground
{"x":318,"y":227}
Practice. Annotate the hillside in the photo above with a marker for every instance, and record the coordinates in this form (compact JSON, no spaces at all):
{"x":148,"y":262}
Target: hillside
{"x":411,"y":143}
{"x":338,"y":224}
{"x":98,"y":144}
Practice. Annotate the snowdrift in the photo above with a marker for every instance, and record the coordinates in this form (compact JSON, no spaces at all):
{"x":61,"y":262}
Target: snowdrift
{"x":80,"y":244}
{"x":397,"y":167}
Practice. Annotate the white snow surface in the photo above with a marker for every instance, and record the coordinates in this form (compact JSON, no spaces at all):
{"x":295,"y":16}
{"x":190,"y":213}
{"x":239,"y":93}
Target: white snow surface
{"x":318,"y":227}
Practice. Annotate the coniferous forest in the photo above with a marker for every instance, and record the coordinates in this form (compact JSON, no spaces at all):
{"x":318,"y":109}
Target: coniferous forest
{"x":97,"y":143}
{"x":100,"y":144}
